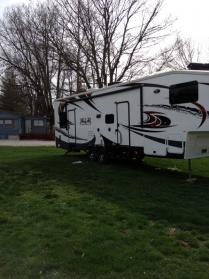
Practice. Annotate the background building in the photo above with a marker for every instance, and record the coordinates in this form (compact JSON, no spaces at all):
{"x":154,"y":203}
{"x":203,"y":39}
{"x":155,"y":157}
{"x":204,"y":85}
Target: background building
{"x":16,"y":126}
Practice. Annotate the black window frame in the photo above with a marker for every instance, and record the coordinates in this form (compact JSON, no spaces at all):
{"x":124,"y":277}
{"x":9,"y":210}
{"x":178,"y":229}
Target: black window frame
{"x":109,"y":118}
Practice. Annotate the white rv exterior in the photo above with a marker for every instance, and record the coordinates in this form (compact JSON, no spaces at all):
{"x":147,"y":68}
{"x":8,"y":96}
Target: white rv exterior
{"x":164,"y":115}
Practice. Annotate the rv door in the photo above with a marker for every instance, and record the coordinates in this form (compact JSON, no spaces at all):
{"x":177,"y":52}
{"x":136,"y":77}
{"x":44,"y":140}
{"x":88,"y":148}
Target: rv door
{"x":123,"y":123}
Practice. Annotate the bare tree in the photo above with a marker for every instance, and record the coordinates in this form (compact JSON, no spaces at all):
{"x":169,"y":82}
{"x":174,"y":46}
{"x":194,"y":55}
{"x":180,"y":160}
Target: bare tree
{"x":57,"y":48}
{"x":11,"y":98}
{"x":109,"y":40}
{"x":25,"y":46}
{"x":177,"y":56}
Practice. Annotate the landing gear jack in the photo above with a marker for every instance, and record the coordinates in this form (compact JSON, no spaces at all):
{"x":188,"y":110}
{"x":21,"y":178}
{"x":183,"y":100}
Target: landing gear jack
{"x":67,"y":152}
{"x":190,"y":179}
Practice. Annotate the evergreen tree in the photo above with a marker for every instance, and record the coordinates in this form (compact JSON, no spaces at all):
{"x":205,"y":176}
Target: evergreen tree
{"x":10,"y":94}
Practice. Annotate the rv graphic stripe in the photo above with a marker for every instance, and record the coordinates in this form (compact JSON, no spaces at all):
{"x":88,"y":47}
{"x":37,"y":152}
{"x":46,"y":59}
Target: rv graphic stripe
{"x":178,"y":108}
{"x":140,"y":129}
{"x":87,"y":99}
{"x":150,"y":137}
{"x":72,"y":99}
{"x":67,"y":145}
{"x":108,"y":141}
{"x":174,"y":143}
{"x":67,"y":135}
{"x":200,"y":111}
{"x":85,"y":144}
{"x":76,"y":105}
{"x":203,"y":111}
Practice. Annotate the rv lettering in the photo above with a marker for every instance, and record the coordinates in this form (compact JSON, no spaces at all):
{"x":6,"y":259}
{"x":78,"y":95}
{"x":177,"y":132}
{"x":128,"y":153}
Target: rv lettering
{"x":85,"y":121}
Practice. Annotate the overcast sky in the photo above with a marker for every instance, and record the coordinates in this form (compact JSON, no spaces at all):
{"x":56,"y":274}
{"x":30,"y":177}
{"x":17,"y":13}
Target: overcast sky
{"x":4,"y":3}
{"x":192,"y":15}
{"x":193,"y":19}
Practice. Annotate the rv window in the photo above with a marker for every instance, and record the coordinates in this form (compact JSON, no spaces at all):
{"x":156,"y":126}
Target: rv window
{"x":109,"y":118}
{"x":184,"y":93}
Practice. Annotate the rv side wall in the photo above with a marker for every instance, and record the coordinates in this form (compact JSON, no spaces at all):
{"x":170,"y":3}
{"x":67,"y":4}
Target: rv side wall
{"x":131,"y":119}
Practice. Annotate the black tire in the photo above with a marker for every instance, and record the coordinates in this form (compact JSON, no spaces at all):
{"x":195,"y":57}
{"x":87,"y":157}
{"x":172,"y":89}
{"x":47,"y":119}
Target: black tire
{"x":93,"y":156}
{"x":103,"y":158}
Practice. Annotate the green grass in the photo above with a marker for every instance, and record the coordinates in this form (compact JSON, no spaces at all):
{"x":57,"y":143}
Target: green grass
{"x":86,"y":221}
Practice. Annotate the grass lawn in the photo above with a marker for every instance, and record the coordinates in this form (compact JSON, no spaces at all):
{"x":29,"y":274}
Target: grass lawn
{"x":79,"y":221}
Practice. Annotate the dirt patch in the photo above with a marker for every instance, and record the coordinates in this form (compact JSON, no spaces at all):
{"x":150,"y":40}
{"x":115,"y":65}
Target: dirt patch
{"x":26,"y":143}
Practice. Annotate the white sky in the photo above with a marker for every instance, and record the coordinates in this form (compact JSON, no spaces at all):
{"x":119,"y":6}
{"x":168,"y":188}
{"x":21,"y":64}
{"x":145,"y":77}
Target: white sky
{"x":5,"y":3}
{"x":192,"y":22}
{"x":192,"y":18}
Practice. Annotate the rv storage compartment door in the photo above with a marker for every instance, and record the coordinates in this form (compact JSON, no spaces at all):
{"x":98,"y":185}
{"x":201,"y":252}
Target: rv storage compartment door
{"x":175,"y":144}
{"x":197,"y":145}
{"x":123,"y":123}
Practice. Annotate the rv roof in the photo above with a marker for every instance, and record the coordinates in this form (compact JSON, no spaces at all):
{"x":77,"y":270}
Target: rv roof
{"x":159,"y":74}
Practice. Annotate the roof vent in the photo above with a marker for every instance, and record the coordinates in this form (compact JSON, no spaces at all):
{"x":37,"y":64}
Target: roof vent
{"x":113,"y":83}
{"x":198,"y":66}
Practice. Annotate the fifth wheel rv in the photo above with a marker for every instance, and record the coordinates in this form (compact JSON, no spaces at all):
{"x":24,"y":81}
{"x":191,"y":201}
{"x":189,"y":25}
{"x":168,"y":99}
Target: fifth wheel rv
{"x":162,"y":115}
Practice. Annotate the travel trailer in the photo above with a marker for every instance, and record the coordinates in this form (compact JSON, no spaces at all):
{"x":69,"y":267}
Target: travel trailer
{"x":163,"y":115}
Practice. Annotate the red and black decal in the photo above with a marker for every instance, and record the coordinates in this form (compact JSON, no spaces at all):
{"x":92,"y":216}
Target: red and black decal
{"x":156,"y":120}
{"x":203,"y":111}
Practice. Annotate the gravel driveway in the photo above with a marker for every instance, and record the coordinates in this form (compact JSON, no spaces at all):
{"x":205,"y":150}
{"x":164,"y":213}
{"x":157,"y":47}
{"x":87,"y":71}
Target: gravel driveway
{"x":26,"y":143}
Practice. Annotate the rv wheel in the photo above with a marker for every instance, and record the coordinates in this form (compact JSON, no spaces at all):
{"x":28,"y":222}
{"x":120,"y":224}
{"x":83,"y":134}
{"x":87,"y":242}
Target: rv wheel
{"x":92,"y":156}
{"x":102,"y":158}
{"x":139,"y":159}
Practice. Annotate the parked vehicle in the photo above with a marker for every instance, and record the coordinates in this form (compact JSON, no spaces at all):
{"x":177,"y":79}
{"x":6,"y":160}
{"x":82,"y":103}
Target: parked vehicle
{"x":162,"y":115}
